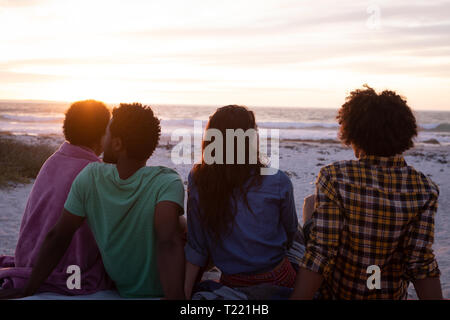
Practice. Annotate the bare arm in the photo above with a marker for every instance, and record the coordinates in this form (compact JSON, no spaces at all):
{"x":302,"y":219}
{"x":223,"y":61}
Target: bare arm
{"x":428,"y":289}
{"x":308,"y":207}
{"x":53,"y":249}
{"x":306,"y":284}
{"x":170,"y":249}
{"x":192,"y":272}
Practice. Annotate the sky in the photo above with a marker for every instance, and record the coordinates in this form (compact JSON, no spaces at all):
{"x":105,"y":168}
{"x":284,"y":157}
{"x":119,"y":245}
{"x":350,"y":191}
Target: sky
{"x":208,"y":52}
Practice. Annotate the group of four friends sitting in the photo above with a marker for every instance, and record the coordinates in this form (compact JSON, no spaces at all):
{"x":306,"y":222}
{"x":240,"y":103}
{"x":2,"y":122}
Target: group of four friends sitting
{"x":123,"y":223}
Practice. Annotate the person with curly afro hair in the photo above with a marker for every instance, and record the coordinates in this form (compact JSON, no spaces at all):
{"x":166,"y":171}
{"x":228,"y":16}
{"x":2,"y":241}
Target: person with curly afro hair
{"x":133,"y":210}
{"x":377,"y":124}
{"x":369,"y":228}
{"x":84,"y":126}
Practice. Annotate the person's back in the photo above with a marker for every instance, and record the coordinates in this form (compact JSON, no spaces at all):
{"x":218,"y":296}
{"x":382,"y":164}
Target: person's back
{"x":85,"y":124}
{"x":241,"y":219}
{"x":372,"y":223}
{"x":132,"y":210}
{"x":386,"y":207}
{"x":261,"y":232}
{"x":120,"y":213}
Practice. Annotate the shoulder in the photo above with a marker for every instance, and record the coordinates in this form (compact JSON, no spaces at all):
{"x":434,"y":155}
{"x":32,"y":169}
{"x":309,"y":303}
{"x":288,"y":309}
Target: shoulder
{"x":333,"y":173}
{"x":277,"y":183}
{"x":190,"y":177}
{"x":193,"y":174}
{"x":87,"y":171}
{"x":285,"y":185}
{"x":191,"y":185}
{"x":85,"y":179}
{"x":424,"y":182}
{"x":96,"y":171}
{"x":338,"y":168}
{"x":97,"y":168}
{"x":164,"y":172}
{"x":97,"y":165}
{"x":280,"y":177}
{"x":332,"y":169}
{"x":162,"y":175}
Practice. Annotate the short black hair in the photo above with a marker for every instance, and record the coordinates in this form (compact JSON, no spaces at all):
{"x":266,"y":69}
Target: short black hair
{"x":138,"y":129}
{"x":85,"y":122}
{"x":377,"y":124}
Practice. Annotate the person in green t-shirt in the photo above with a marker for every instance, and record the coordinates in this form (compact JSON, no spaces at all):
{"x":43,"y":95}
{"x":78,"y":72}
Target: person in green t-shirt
{"x":133,"y":211}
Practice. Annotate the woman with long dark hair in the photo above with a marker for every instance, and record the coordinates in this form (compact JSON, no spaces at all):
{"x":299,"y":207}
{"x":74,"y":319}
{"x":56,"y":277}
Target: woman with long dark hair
{"x":242,"y":221}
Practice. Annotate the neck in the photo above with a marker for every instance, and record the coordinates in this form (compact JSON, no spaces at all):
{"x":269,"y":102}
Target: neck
{"x":95,"y":149}
{"x":126,"y":167}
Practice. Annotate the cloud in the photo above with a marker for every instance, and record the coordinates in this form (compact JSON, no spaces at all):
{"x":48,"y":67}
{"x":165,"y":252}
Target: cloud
{"x":7,"y":77}
{"x":199,"y":42}
{"x":20,"y":3}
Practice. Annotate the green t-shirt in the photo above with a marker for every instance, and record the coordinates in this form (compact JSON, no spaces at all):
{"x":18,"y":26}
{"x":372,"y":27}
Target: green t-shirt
{"x":120,"y":215}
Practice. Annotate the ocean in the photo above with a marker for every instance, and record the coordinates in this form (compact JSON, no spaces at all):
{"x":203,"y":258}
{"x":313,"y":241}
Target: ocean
{"x":35,"y":118}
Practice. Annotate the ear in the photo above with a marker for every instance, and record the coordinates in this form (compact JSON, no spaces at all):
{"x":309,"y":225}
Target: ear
{"x":116,"y":144}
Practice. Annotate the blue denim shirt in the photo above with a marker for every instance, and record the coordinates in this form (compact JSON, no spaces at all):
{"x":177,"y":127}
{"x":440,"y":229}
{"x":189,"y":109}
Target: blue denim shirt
{"x":258,"y":240}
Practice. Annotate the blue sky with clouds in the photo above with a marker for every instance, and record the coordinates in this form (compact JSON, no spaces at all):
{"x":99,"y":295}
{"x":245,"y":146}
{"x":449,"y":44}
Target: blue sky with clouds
{"x":271,"y":53}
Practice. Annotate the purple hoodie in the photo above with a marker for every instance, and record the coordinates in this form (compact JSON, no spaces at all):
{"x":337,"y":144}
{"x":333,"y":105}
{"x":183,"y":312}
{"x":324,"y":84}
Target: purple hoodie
{"x":44,"y":207}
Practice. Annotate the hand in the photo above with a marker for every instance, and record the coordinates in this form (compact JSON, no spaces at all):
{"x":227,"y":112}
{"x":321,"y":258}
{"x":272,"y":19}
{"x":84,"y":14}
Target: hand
{"x":308,"y":207}
{"x":12,"y":293}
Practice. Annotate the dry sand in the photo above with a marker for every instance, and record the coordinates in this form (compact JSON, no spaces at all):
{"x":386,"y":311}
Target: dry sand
{"x":301,"y":161}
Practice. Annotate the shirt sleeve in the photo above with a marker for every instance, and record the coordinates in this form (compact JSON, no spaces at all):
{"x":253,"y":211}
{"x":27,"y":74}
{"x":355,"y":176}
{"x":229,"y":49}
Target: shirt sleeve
{"x":77,"y":196}
{"x":288,"y":212}
{"x":327,"y":224}
{"x":172,"y":190}
{"x":196,"y":250}
{"x":420,"y":260}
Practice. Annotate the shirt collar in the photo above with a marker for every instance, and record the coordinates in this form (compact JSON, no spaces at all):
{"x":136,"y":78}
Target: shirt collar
{"x":77,"y":152}
{"x":394,"y":161}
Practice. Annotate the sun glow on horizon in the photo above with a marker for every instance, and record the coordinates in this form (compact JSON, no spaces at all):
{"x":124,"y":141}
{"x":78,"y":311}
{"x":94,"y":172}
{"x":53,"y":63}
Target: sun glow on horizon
{"x":276,"y":53}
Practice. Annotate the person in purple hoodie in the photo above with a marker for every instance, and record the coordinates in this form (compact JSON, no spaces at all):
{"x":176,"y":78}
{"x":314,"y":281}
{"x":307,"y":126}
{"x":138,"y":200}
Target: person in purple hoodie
{"x":84,"y":127}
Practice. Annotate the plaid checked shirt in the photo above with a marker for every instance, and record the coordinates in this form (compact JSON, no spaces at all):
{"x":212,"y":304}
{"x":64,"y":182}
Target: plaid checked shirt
{"x":372,"y":211}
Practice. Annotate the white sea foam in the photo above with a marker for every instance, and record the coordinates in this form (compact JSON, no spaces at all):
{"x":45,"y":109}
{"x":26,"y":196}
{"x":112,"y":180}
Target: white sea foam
{"x":293,"y":123}
{"x":32,"y":117}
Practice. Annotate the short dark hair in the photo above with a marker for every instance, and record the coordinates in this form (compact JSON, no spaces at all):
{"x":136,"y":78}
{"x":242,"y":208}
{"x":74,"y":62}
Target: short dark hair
{"x":377,"y":124}
{"x":138,"y":129}
{"x":85,"y":122}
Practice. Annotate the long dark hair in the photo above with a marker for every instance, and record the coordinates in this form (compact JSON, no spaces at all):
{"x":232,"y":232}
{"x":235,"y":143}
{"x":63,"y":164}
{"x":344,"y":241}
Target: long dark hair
{"x":217,"y":183}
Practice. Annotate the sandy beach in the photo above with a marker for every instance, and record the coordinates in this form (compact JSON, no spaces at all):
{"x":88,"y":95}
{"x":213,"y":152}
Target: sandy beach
{"x":301,"y":160}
